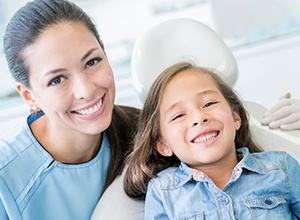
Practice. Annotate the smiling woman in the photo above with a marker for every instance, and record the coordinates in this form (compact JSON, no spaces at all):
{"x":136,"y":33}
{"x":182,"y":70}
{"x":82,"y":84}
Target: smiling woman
{"x":76,"y":140}
{"x":12,"y":108}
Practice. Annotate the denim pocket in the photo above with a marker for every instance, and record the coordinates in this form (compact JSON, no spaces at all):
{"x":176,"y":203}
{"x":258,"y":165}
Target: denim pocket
{"x":267,"y":206}
{"x":193,"y":216}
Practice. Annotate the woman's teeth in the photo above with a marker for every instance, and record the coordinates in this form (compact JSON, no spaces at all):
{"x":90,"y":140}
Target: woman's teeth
{"x":90,"y":110}
{"x":205,"y":137}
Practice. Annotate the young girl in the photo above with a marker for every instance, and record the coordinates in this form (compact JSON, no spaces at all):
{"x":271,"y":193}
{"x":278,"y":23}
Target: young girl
{"x":195,"y":145}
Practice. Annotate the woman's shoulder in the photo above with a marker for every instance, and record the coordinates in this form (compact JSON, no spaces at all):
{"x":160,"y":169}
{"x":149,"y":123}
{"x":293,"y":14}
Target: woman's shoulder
{"x":19,"y":146}
{"x":22,"y":156}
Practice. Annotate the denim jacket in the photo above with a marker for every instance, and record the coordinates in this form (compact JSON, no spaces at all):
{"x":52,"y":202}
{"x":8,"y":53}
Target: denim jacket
{"x":262,"y":186}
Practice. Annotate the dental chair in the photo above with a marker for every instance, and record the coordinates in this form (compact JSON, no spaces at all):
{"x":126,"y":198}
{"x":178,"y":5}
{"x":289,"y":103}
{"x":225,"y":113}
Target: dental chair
{"x":161,"y":46}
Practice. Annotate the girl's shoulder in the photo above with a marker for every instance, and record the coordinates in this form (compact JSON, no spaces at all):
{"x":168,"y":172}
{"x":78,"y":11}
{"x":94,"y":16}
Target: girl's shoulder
{"x":274,"y":159}
{"x":165,"y":178}
{"x":170,"y":178}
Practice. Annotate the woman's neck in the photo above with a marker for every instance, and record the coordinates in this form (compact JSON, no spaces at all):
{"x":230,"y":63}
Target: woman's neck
{"x":66,"y":146}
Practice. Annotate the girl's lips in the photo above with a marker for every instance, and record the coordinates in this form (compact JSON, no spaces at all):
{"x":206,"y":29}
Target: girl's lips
{"x":205,"y":137}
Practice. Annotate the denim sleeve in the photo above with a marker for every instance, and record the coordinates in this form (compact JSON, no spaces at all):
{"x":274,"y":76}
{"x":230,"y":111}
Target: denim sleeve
{"x":293,"y":172}
{"x":154,"y":208}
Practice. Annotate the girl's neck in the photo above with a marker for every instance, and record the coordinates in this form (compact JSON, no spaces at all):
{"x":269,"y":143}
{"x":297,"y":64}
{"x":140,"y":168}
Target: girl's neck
{"x":221,"y":172}
{"x":66,"y":147}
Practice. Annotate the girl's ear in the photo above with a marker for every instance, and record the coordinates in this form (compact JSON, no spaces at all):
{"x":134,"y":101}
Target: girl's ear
{"x":26,"y":95}
{"x":237,"y":118}
{"x":164,"y":149}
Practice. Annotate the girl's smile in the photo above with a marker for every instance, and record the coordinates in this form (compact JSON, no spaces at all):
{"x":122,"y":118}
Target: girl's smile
{"x":202,"y":138}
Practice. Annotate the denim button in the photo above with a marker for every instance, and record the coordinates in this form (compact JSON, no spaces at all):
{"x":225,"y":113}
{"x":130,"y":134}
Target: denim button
{"x":268,"y":202}
{"x":225,"y":201}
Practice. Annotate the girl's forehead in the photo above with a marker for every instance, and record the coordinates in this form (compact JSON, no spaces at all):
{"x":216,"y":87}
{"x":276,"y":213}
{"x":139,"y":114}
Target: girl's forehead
{"x":191,"y":77}
{"x":189,"y":83}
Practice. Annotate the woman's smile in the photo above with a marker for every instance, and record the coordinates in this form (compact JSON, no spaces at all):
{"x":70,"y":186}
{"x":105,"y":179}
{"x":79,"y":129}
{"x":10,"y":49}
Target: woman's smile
{"x":89,"y":110}
{"x":92,"y":111}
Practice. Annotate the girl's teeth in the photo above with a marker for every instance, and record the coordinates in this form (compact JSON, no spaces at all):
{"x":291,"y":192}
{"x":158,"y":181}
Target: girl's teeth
{"x":91,"y":110}
{"x":205,"y":137}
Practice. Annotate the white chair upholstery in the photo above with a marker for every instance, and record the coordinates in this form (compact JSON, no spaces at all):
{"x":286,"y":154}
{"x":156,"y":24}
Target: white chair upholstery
{"x":116,"y":205}
{"x":159,"y":47}
{"x":178,"y":40}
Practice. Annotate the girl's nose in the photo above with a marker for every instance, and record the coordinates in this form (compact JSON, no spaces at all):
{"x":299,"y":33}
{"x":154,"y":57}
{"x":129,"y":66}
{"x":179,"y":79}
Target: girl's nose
{"x":200,"y":122}
{"x":200,"y":118}
{"x":84,"y":88}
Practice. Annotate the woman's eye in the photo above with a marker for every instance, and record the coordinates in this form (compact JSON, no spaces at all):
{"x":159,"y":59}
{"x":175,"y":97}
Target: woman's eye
{"x":93,"y":62}
{"x":209,"y":104}
{"x":57,"y":80}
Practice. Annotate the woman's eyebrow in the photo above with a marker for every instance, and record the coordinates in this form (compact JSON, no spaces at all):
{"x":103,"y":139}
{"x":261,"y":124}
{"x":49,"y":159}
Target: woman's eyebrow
{"x":54,"y":71}
{"x":88,"y":53}
{"x":62,"y":69}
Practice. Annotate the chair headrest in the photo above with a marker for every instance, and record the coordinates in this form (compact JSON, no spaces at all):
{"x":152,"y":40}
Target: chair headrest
{"x":174,"y":41}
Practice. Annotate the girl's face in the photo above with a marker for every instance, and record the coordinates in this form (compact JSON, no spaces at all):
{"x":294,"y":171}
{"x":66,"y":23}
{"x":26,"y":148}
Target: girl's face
{"x":197,"y":124}
{"x":71,"y":79}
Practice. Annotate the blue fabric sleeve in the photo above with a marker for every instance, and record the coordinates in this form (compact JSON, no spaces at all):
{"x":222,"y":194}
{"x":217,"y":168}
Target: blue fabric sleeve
{"x":3,"y":215}
{"x":8,"y":209}
{"x":154,"y":208}
{"x":293,"y":172}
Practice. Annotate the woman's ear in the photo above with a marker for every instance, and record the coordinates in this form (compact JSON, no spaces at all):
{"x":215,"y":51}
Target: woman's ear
{"x":26,"y":95}
{"x":164,"y":149}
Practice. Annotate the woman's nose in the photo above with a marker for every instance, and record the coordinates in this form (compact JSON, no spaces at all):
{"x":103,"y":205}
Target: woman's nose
{"x":84,"y":88}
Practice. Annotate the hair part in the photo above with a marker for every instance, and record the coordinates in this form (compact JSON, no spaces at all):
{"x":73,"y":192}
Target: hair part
{"x":145,"y":161}
{"x":29,"y":22}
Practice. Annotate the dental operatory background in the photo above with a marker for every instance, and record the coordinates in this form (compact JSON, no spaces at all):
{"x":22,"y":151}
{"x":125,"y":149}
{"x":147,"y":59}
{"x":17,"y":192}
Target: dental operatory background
{"x":264,"y":36}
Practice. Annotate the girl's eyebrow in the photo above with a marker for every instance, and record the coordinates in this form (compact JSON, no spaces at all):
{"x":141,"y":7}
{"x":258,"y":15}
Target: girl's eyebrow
{"x":206,"y":92}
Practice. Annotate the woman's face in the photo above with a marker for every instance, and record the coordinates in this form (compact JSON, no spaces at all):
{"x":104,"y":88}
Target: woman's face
{"x":197,"y":124}
{"x":70,"y":79}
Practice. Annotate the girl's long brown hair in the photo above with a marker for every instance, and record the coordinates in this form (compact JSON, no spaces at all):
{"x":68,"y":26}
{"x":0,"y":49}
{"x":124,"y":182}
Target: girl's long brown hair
{"x":145,"y":162}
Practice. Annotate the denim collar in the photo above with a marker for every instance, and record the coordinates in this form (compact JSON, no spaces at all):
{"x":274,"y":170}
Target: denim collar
{"x":184,"y":173}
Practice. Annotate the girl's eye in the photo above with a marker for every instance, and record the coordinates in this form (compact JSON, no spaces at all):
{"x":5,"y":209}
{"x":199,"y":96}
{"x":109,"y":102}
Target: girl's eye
{"x":177,"y":117}
{"x":209,"y":104}
{"x":57,"y":80}
{"x":93,"y":62}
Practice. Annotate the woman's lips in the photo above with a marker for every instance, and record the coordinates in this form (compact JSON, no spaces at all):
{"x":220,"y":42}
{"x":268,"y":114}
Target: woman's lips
{"x":90,"y":110}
